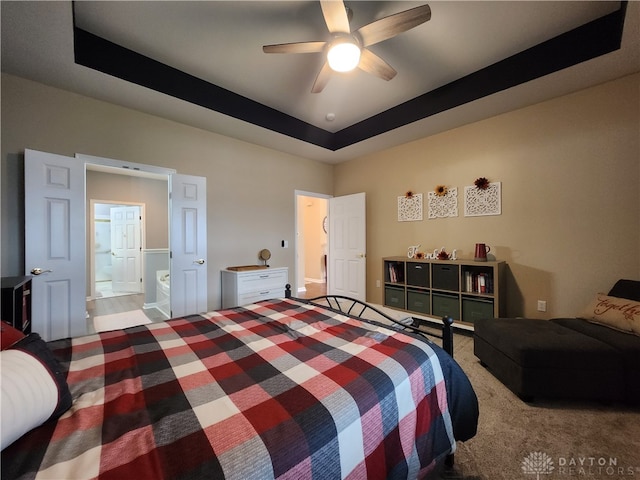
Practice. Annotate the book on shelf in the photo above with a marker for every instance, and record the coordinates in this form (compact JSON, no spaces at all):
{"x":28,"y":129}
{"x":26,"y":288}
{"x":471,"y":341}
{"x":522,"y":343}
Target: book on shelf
{"x":478,"y":282}
{"x":396,"y":273}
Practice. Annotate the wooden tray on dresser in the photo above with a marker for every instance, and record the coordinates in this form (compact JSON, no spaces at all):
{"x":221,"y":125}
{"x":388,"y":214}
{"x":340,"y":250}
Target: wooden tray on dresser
{"x":243,"y":268}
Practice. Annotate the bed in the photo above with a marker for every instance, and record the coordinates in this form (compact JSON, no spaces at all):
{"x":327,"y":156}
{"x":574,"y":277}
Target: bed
{"x":283,"y":388}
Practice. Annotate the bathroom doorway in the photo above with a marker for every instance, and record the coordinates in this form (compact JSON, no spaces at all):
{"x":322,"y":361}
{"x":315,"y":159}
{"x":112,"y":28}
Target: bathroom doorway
{"x":311,"y":244}
{"x":118,"y":233}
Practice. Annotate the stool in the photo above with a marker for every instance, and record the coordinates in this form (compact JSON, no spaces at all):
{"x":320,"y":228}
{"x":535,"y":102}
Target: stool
{"x":538,"y":358}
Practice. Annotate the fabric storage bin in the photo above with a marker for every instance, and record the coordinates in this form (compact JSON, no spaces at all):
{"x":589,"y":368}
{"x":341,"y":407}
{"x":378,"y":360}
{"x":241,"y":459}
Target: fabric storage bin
{"x":418,"y":274}
{"x":445,"y":305}
{"x":445,"y":277}
{"x":476,"y":308}
{"x":394,"y":297}
{"x":418,"y":301}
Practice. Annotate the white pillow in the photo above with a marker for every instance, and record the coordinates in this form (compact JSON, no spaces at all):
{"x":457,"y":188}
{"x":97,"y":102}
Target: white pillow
{"x":29,"y":395}
{"x":613,"y":312}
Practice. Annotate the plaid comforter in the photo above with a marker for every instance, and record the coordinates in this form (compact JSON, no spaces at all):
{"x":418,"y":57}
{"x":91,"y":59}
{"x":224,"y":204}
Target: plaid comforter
{"x":277,"y":389}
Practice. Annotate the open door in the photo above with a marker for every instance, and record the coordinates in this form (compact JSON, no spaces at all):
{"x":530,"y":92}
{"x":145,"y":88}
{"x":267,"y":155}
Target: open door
{"x":126,"y":249}
{"x":347,"y":268}
{"x":55,"y":243}
{"x":188,"y":245}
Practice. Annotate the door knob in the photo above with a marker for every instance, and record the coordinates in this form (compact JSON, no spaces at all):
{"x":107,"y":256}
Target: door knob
{"x":362,"y":255}
{"x":39,"y":271}
{"x":199,"y":261}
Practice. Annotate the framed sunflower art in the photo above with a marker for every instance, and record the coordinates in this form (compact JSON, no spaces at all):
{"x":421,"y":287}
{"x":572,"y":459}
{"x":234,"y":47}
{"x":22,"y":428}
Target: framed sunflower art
{"x":483,"y":198}
{"x":443,"y":202}
{"x":410,"y":207}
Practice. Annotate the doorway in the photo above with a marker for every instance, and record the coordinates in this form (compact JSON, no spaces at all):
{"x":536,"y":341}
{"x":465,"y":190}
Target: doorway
{"x":116,"y":252}
{"x":311,"y":244}
{"x":127,"y":242}
{"x":56,"y":191}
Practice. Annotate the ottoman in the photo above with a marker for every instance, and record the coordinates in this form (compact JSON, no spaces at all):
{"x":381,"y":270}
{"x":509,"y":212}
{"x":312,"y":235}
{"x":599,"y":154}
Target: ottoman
{"x":538,"y":358}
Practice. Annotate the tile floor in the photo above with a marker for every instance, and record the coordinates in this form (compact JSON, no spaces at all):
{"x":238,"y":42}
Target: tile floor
{"x":108,"y":302}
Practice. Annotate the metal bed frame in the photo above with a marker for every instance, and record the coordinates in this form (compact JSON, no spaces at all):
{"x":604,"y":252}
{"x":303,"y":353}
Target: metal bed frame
{"x":356,"y":308}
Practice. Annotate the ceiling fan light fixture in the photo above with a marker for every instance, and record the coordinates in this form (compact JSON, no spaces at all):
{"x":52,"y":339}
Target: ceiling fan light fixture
{"x":343,"y":55}
{"x":348,"y":50}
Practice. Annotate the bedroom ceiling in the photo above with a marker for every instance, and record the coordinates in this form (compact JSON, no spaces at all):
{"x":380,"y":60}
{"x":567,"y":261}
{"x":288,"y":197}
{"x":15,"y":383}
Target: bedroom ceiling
{"x":201,"y":63}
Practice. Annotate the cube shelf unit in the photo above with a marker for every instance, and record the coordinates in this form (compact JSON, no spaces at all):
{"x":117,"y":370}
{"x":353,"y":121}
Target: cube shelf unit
{"x":462,"y":289}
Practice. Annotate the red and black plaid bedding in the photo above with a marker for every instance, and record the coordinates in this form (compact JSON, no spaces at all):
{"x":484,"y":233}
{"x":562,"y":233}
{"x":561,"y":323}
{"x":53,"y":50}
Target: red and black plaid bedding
{"x":278,"y":389}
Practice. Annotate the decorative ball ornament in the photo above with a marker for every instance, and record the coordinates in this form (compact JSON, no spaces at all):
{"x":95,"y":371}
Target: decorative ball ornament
{"x":264,"y":255}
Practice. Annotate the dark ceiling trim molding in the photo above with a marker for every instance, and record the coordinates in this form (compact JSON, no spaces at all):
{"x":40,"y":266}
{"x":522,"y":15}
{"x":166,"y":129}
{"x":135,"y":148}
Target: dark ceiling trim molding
{"x":591,"y":40}
{"x":583,"y":43}
{"x":107,"y":57}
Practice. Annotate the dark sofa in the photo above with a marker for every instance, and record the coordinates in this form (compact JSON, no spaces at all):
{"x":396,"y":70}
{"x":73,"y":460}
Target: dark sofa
{"x":563,"y":357}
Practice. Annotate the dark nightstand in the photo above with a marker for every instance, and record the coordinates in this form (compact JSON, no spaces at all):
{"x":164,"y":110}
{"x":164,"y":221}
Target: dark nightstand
{"x":16,"y":302}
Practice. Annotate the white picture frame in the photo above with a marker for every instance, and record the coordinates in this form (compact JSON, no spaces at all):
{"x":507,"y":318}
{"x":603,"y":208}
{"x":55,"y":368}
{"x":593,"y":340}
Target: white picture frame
{"x":479,"y":202}
{"x":442,"y":206}
{"x":410,"y":208}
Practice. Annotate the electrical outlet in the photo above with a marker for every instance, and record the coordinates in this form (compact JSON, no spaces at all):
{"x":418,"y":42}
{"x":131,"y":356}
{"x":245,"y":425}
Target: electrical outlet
{"x":378,"y":283}
{"x":542,"y":305}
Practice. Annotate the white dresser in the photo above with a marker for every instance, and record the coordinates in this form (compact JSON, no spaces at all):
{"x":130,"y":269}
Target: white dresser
{"x":250,"y":286}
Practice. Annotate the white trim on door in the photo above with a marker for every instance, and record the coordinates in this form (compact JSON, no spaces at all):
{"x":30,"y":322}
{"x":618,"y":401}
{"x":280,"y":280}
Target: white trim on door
{"x":111,"y":165}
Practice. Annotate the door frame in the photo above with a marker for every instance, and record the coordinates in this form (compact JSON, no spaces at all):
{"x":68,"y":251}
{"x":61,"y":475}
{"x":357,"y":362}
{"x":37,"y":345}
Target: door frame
{"x":92,"y":235}
{"x":295,"y":284}
{"x":119,"y":167}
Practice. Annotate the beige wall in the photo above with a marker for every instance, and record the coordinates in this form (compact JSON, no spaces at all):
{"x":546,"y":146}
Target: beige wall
{"x":570,"y":171}
{"x":250,"y":189}
{"x":569,"y":167}
{"x":154,"y":194}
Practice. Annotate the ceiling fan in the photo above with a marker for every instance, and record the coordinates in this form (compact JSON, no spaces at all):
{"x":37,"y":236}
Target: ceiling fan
{"x":337,"y":17}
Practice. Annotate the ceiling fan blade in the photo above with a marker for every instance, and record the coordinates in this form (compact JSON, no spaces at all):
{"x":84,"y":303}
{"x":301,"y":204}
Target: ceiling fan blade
{"x":297,"y":47}
{"x":322,"y":79}
{"x":373,"y":64}
{"x":392,"y":25}
{"x":335,"y":16}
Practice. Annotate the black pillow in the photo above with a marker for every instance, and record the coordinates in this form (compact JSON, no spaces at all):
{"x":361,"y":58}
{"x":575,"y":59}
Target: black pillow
{"x":629,"y":289}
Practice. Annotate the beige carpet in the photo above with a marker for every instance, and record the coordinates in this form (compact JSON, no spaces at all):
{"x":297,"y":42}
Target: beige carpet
{"x":118,"y":321}
{"x":550,"y":440}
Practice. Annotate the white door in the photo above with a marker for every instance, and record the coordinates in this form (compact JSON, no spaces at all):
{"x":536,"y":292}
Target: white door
{"x":55,"y":243}
{"x":188,"y":245}
{"x":126,"y":249}
{"x":347,"y":269}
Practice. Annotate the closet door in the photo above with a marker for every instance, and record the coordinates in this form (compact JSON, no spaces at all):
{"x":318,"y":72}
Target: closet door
{"x":55,"y":243}
{"x":188,"y":245}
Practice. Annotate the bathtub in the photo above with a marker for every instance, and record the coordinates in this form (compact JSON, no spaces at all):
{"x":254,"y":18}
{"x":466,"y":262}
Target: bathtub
{"x":163,"y":289}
